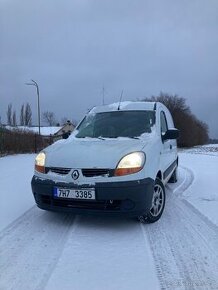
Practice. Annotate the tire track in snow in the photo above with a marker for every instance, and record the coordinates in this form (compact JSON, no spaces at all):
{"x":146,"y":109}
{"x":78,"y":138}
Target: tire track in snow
{"x":105,"y":253}
{"x":50,"y":269}
{"x":184,"y":243}
{"x":188,"y":178}
{"x":46,"y":250}
{"x":31,"y":247}
{"x":158,"y":270}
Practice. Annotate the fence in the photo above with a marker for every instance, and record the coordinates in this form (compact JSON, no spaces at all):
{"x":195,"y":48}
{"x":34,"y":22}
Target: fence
{"x":19,"y":141}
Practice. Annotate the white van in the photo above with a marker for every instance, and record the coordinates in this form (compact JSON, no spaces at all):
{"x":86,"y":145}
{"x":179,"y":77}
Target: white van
{"x":117,"y":161}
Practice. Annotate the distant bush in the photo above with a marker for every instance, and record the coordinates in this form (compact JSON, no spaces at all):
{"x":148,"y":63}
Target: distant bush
{"x":20,"y":141}
{"x":192,"y":131}
{"x":213,"y":141}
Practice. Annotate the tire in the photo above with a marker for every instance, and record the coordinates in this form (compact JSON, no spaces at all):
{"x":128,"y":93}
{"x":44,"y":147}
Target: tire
{"x":173,"y":178}
{"x":158,"y":204}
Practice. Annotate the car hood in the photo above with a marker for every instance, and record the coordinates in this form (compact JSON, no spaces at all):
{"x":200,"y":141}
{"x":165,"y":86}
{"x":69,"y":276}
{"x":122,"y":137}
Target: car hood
{"x":90,"y":153}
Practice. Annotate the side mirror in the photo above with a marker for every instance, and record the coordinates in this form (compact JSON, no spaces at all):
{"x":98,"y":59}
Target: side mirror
{"x":171,"y":134}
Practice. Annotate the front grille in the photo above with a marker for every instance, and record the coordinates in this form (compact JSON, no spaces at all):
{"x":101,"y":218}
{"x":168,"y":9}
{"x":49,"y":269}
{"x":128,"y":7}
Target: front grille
{"x":97,"y":205}
{"x":96,"y":172}
{"x":59,"y":170}
{"x":90,"y":172}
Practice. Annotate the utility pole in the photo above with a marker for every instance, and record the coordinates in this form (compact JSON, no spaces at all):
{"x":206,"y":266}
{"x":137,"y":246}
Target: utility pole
{"x":34,"y":83}
{"x":103,"y":91}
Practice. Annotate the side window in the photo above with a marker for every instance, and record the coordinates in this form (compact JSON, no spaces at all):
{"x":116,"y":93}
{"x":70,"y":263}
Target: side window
{"x":163,"y":122}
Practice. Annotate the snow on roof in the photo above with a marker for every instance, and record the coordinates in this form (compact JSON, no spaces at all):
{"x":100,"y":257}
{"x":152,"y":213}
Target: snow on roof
{"x":45,"y":131}
{"x":124,"y":106}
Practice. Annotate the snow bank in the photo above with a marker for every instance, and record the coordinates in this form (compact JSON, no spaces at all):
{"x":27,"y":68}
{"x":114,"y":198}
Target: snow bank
{"x":16,"y":194}
{"x":203,"y":192}
{"x":210,"y":149}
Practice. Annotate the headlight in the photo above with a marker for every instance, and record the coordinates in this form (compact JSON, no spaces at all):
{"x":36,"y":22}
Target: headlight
{"x":130,"y":163}
{"x":40,"y":162}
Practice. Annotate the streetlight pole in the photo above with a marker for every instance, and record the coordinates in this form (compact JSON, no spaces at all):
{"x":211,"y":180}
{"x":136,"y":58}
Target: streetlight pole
{"x":34,"y":83}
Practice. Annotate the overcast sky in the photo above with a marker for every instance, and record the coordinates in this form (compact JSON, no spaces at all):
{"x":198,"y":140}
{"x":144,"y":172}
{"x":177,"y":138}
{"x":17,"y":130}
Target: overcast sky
{"x":73,"y":48}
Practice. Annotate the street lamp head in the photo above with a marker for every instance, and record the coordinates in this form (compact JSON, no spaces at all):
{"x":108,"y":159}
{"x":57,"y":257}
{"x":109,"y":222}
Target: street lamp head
{"x":37,"y":90}
{"x":34,"y":83}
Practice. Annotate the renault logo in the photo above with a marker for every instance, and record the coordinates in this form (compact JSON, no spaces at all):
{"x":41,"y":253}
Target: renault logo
{"x":75,"y":174}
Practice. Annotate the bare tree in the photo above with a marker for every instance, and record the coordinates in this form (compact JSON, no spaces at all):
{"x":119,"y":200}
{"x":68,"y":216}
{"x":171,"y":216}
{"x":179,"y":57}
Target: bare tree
{"x":28,"y":115}
{"x":74,"y":122}
{"x":64,"y":120}
{"x":14,"y":119}
{"x":9,"y":115}
{"x":49,"y":118}
{"x":22,"y":115}
{"x":192,"y":131}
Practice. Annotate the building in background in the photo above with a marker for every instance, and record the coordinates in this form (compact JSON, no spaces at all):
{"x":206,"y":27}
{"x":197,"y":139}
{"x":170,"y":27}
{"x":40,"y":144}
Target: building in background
{"x":64,"y":131}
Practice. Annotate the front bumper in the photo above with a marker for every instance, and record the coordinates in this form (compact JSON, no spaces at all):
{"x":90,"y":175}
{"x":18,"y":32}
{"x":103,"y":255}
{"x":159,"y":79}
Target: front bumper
{"x":130,"y":198}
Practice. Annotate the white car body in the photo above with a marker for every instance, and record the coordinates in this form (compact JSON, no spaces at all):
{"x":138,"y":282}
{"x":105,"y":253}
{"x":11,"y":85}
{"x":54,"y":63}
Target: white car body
{"x":96,"y":153}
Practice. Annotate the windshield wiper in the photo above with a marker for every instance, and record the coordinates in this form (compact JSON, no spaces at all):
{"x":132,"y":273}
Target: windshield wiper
{"x":133,"y":137}
{"x":83,"y":137}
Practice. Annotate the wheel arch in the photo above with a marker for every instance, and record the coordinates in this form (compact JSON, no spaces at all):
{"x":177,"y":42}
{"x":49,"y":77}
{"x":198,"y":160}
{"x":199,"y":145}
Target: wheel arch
{"x":160,"y":175}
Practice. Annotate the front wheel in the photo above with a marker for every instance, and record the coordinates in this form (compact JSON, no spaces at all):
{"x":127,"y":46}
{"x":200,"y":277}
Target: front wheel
{"x":158,"y":204}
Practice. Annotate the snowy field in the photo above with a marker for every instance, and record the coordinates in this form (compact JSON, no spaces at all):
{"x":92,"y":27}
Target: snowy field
{"x":45,"y":250}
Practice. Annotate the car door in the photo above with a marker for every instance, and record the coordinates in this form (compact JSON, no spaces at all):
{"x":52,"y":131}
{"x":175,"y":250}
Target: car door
{"x":166,"y":158}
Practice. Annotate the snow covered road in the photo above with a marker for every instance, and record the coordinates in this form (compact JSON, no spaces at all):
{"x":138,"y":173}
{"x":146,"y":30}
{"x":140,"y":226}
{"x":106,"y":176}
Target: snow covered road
{"x":44,"y":250}
{"x":15,"y":175}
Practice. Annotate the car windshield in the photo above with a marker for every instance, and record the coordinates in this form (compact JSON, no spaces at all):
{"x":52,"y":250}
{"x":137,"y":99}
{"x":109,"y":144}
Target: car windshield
{"x":116,"y":124}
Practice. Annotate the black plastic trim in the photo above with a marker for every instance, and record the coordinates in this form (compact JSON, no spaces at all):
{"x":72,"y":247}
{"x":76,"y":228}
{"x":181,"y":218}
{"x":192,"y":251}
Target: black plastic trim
{"x":169,"y":169}
{"x":155,"y":106}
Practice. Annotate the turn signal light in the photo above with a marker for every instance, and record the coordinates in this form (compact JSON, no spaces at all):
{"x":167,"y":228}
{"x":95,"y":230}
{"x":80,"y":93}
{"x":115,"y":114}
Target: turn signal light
{"x":125,"y":171}
{"x":40,"y":168}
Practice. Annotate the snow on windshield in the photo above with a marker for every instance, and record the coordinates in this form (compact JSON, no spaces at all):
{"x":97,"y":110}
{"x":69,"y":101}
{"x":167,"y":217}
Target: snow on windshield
{"x":117,"y":124}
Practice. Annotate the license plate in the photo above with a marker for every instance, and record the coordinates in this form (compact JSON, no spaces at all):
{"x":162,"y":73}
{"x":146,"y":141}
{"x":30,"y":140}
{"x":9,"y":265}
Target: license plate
{"x":85,"y":193}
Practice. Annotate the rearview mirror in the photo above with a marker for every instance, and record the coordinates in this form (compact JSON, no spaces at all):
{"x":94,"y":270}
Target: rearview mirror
{"x":171,"y":134}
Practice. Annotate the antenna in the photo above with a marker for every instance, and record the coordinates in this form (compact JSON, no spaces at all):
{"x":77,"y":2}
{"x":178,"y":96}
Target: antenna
{"x":121,"y":95}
